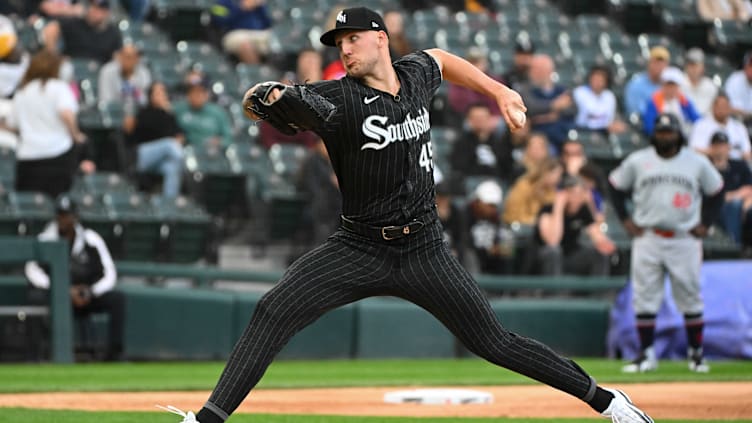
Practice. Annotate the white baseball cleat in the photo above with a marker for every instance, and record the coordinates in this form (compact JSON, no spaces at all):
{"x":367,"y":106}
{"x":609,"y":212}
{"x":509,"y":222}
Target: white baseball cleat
{"x":622,"y":410}
{"x":697,"y":362}
{"x":188,"y":417}
{"x":646,"y":362}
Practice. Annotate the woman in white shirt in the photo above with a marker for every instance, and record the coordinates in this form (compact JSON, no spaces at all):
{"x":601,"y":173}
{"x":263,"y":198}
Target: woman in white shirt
{"x":596,"y":104}
{"x":45,"y":117}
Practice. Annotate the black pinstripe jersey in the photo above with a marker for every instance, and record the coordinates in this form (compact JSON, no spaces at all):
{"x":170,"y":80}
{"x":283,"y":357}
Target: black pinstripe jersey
{"x":380,"y":145}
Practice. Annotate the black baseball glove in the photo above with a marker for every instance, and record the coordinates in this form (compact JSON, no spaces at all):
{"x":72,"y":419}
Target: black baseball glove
{"x":296,"y":109}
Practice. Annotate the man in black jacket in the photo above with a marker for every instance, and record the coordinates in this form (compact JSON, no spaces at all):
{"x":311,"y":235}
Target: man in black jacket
{"x":92,"y":273}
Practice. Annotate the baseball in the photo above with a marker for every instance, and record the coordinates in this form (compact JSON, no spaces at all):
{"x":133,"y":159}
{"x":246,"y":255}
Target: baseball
{"x":519,"y":118}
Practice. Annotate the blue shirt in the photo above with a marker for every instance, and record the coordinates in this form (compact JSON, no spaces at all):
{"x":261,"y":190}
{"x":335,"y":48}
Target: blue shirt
{"x":228,"y":16}
{"x":638,"y":92}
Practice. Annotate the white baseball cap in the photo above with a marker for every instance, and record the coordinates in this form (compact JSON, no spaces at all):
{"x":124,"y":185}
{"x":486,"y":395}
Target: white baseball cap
{"x":489,"y":192}
{"x":672,"y":75}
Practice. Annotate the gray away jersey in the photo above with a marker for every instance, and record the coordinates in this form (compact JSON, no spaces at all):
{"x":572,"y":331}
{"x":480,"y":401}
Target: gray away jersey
{"x":667,"y":193}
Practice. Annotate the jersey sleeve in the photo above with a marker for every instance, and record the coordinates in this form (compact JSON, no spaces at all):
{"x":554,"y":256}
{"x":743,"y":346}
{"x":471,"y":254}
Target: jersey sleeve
{"x":623,"y":177}
{"x":423,"y":66}
{"x":711,"y":181}
{"x":334,"y":92}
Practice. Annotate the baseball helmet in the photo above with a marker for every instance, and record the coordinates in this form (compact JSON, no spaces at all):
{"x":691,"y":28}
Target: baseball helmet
{"x":667,"y":122}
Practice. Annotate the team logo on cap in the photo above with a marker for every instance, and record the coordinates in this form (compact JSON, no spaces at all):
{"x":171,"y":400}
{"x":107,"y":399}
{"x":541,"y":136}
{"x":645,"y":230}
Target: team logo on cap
{"x":374,"y":24}
{"x":341,"y":17}
{"x":665,"y":120}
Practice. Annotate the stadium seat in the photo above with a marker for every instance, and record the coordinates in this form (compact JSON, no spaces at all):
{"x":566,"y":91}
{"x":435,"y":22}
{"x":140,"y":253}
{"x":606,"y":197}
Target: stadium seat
{"x":100,"y":183}
{"x":731,"y":38}
{"x":219,"y":186}
{"x":7,"y":168}
{"x":286,"y":160}
{"x":142,"y":231}
{"x":189,"y":228}
{"x":95,"y":215}
{"x":33,"y":211}
{"x":183,"y":19}
{"x":8,"y":216}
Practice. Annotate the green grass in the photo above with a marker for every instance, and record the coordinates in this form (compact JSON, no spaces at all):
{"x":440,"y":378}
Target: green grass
{"x":17,"y":415}
{"x":301,"y":374}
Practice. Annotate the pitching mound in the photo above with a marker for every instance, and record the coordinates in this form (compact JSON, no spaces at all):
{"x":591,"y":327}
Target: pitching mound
{"x":661,"y":400}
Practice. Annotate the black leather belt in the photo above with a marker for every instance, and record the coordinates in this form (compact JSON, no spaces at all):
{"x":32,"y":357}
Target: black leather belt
{"x":388,"y":233}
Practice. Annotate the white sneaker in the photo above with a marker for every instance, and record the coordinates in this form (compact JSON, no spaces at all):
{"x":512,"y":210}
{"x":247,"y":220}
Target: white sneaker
{"x":622,"y":410}
{"x":697,"y":362}
{"x":188,"y":417}
{"x":646,"y":362}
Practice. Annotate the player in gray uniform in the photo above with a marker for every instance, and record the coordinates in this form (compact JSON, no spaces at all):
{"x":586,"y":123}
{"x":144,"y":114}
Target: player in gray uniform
{"x":670,"y":217}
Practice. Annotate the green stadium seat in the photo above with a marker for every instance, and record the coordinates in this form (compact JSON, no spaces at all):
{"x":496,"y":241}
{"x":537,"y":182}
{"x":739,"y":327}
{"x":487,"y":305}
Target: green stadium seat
{"x":99,"y":183}
{"x":220,"y":187}
{"x":7,"y":168}
{"x":142,"y":231}
{"x":8,"y":216}
{"x":732,"y":38}
{"x":286,"y":160}
{"x":33,"y":209}
{"x":286,"y":211}
{"x":95,"y":215}
{"x":189,"y":228}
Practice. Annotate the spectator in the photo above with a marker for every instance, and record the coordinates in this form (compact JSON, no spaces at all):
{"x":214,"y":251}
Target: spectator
{"x":399,"y":45}
{"x":536,"y":151}
{"x":55,"y":9}
{"x":532,"y":191}
{"x":482,"y":150}
{"x":92,"y":273}
{"x":246,"y":26}
{"x":669,"y":99}
{"x":45,"y":115}
{"x":558,"y":231}
{"x":489,"y":240}
{"x":739,"y":89}
{"x":124,"y":79}
{"x":696,"y":86}
{"x":576,"y":164}
{"x":333,"y":68}
{"x":550,"y":107}
{"x":13,"y":59}
{"x":318,"y":183}
{"x":461,"y":98}
{"x":137,"y":9}
{"x":596,"y":103}
{"x":722,"y":120}
{"x":309,"y":66}
{"x":736,"y":212}
{"x":92,"y":36}
{"x":204,"y":123}
{"x":725,"y":10}
{"x":158,"y":140}
{"x":453,"y":220}
{"x":524,"y":49}
{"x":641,"y":87}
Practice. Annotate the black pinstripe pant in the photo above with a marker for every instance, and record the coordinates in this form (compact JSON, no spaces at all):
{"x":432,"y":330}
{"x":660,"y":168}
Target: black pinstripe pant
{"x":418,"y":268}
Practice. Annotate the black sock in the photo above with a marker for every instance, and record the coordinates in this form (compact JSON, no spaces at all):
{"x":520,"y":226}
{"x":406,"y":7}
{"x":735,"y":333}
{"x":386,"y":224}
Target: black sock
{"x":600,"y":401}
{"x":646,"y":330}
{"x":207,"y":416}
{"x":694,"y":325}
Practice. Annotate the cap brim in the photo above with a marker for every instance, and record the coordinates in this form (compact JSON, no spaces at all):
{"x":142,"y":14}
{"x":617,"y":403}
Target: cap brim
{"x":328,"y":38}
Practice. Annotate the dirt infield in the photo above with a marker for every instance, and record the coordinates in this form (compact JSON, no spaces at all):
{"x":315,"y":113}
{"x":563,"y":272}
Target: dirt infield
{"x":661,"y":400}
